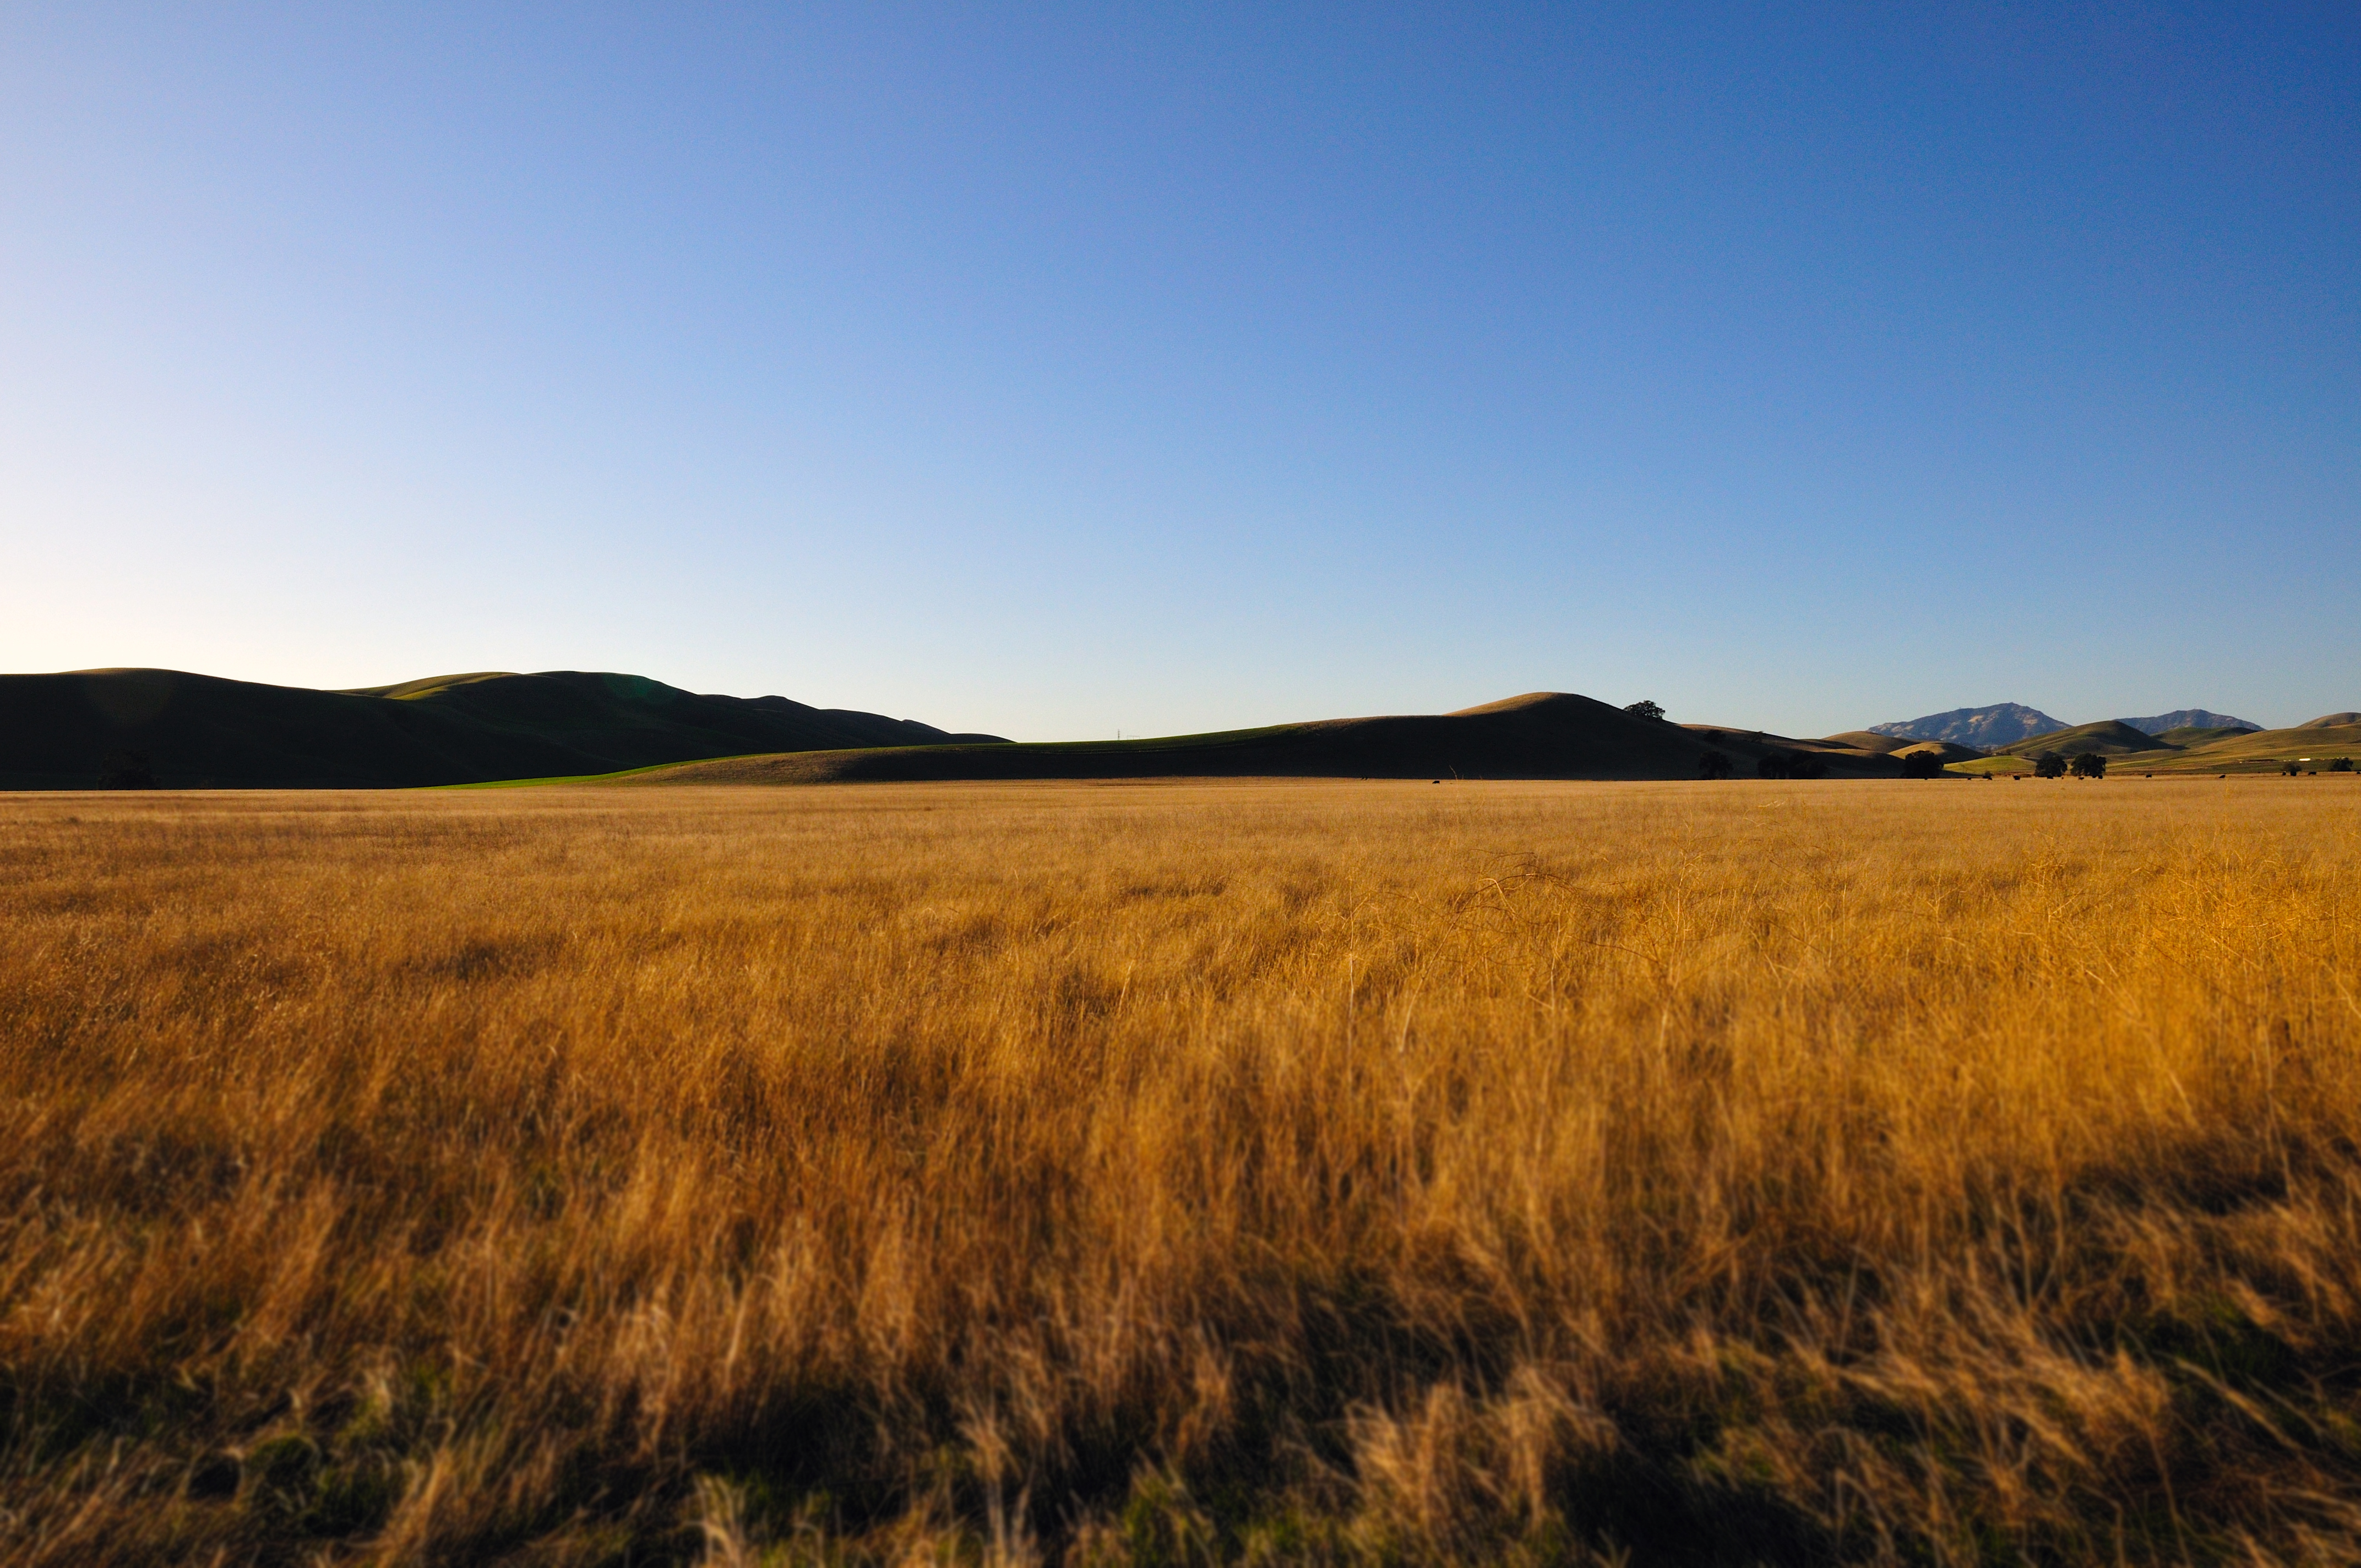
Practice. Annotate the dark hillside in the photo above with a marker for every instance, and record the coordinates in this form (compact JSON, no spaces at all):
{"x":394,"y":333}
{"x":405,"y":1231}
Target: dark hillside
{"x":73,"y":730}
{"x":1541,"y":735}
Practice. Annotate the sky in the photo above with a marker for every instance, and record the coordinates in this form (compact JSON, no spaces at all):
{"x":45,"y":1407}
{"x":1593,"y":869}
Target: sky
{"x":1061,"y":371}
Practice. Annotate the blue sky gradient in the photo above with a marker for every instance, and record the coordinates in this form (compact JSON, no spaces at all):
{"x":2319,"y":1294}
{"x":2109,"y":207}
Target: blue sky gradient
{"x":1060,"y":370}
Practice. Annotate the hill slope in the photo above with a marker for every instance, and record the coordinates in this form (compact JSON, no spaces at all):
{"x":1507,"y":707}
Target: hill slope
{"x":2108,"y":736}
{"x":1996,"y":727}
{"x":194,"y":732}
{"x":2258,"y":751}
{"x":1541,"y":735}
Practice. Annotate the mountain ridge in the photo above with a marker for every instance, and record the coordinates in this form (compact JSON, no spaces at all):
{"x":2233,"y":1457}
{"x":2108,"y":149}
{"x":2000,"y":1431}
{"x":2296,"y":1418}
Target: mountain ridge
{"x":2189,"y":718}
{"x":1995,"y":725}
{"x":2002,"y":725}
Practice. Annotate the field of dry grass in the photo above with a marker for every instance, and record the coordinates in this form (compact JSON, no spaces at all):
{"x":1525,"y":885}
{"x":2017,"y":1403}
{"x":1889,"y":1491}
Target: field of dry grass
{"x":1159,"y":1174}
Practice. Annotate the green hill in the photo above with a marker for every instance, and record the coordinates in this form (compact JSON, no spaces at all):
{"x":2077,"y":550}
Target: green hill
{"x":1541,"y":735}
{"x":72,"y":731}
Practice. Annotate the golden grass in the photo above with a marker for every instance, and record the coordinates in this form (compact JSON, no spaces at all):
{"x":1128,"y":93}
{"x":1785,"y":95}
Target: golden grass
{"x":1778,"y":1172}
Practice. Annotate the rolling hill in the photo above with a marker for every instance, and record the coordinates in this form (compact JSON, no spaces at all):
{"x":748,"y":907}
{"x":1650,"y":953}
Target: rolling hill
{"x":2194,"y":751}
{"x":73,"y":730}
{"x":1541,"y":735}
{"x":2108,"y":736}
{"x":2315,"y":746}
{"x":85,"y":728}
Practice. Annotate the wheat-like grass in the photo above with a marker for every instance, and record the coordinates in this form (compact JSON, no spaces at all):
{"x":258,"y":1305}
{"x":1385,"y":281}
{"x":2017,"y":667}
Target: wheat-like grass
{"x":1183,"y":1172}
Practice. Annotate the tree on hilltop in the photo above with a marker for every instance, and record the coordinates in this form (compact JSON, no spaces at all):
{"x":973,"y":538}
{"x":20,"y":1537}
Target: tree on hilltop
{"x":1643,"y":708}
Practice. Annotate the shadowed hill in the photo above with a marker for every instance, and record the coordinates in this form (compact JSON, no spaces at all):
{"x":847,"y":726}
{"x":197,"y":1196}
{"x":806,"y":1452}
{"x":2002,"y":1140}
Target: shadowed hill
{"x":59,"y":731}
{"x":1541,"y":735}
{"x":1872,"y":741}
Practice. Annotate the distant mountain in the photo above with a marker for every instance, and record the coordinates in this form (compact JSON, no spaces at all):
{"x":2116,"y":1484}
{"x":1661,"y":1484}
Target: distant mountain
{"x":2001,"y":726}
{"x":177,"y":730}
{"x":2189,"y":718}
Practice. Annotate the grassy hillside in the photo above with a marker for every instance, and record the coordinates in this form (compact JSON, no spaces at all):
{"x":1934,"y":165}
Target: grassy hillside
{"x":1870,"y":741}
{"x":2263,"y":751}
{"x":1541,"y":735}
{"x":198,"y":731}
{"x":2108,"y":736}
{"x":2198,"y":734}
{"x":2212,"y":752}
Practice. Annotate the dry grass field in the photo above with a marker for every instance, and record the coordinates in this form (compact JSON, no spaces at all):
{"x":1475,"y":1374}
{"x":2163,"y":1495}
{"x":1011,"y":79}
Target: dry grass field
{"x":1160,"y":1174}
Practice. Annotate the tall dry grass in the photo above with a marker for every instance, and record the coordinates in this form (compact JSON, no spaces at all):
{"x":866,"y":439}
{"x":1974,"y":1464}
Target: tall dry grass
{"x":1755,"y":1172}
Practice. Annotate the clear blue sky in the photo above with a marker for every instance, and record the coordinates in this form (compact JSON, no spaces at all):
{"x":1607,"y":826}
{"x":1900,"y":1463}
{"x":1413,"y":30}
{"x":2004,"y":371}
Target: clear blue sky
{"x":1061,"y":370}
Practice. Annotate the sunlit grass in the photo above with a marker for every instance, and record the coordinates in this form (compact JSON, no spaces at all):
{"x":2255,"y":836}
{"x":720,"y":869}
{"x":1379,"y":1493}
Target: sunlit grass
{"x":1160,"y":1173}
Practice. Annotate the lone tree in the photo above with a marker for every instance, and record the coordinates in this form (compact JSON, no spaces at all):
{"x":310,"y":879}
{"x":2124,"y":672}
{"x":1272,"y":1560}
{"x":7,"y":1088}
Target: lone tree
{"x":2089,"y":765}
{"x":1643,"y":708}
{"x":2290,"y":769}
{"x":1922,"y":765}
{"x":2050,"y":765}
{"x":1713,"y":765}
{"x":2341,"y":765}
